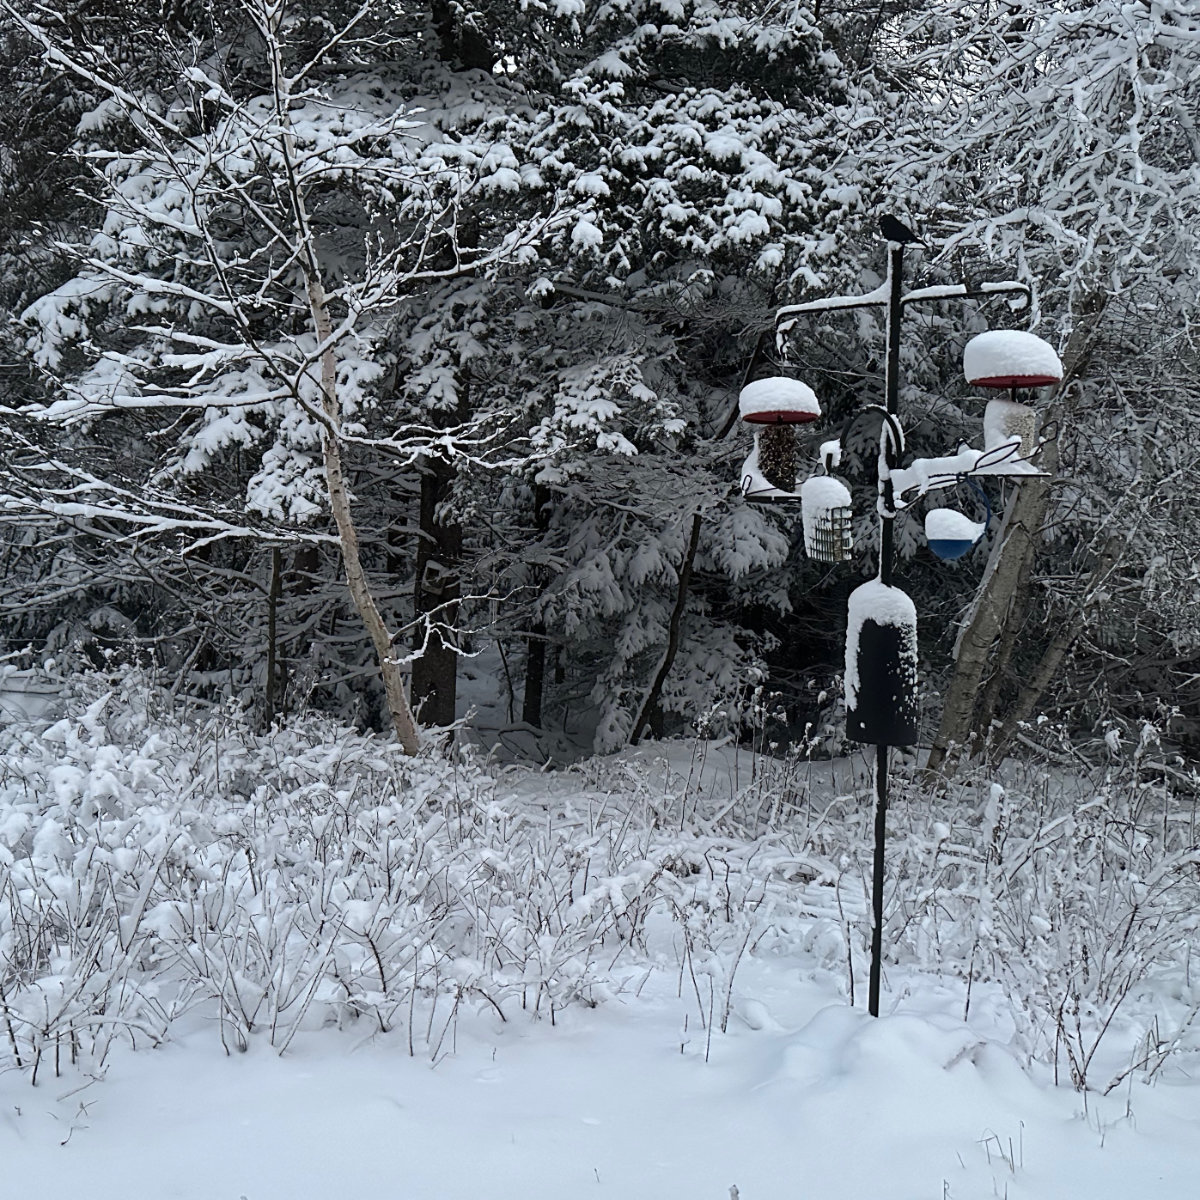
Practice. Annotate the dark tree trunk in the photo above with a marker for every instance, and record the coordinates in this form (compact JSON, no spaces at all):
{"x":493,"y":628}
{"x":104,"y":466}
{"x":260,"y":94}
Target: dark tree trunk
{"x":437,"y":594}
{"x":651,"y":713}
{"x":274,"y":595}
{"x":460,"y":43}
{"x":535,"y":657}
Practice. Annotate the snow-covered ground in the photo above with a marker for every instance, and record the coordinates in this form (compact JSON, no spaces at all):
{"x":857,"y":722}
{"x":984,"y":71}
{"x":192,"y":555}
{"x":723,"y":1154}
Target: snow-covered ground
{"x":340,"y":955}
{"x":803,"y":1096}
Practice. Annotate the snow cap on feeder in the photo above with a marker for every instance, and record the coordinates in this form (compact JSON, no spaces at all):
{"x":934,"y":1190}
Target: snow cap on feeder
{"x":778,"y":401}
{"x":951,"y":534}
{"x":1010,"y":358}
{"x":826,"y":513}
{"x":881,"y":666}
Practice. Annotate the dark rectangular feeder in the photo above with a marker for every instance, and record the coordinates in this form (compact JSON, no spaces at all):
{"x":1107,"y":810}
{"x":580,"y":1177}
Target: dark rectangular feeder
{"x":881,"y":666}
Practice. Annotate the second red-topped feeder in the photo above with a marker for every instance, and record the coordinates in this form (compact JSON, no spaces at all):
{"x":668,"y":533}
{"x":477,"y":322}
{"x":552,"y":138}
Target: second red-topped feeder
{"x":1010,"y":359}
{"x":774,"y":406}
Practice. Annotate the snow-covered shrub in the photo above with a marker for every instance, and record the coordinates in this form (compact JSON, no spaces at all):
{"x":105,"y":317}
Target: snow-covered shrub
{"x":1078,"y":897}
{"x":156,"y":864}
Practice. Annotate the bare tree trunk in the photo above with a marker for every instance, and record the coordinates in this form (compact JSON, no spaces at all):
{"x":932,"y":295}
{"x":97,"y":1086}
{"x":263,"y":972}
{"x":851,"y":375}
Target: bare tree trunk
{"x":685,"y":578}
{"x":535,"y":644}
{"x":1007,"y":573}
{"x":331,"y":449}
{"x":990,"y":700}
{"x":1068,"y":629}
{"x":274,"y":594}
{"x":339,"y":503}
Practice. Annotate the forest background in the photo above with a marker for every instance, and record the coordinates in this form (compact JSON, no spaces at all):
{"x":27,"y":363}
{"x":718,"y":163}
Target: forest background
{"x":354,"y":351}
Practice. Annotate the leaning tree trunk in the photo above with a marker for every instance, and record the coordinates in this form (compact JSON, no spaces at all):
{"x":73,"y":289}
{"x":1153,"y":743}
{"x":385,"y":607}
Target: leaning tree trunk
{"x":1068,"y":628}
{"x":999,"y":595}
{"x":339,"y":503}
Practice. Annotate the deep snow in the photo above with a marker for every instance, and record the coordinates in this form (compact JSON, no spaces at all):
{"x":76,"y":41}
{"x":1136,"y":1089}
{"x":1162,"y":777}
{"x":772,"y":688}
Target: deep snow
{"x":714,"y":874}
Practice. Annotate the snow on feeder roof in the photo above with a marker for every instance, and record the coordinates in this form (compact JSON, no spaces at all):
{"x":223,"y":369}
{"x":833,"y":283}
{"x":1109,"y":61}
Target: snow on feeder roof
{"x":778,"y":400}
{"x":1010,"y":358}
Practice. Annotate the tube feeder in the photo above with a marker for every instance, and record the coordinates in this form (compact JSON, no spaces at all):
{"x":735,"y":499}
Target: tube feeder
{"x":773,"y":406}
{"x":881,"y":666}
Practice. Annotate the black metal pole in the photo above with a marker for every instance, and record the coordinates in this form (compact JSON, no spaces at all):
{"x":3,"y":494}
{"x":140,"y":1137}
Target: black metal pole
{"x":881,"y":800}
{"x":891,"y":390}
{"x":891,"y":387}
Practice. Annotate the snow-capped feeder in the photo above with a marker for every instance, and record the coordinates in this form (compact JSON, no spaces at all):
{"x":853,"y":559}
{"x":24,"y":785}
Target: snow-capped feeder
{"x":1010,"y":358}
{"x":1006,"y":421}
{"x":826,"y":512}
{"x":778,"y":401}
{"x":881,"y":666}
{"x":775,"y":405}
{"x":950,"y":533}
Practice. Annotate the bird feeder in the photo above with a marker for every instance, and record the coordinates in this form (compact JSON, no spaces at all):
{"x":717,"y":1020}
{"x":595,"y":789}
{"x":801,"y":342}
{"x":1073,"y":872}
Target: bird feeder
{"x":881,"y":666}
{"x":774,"y":406}
{"x":1012,"y":359}
{"x":827,"y":515}
{"x":951,"y":534}
{"x":1007,"y":421}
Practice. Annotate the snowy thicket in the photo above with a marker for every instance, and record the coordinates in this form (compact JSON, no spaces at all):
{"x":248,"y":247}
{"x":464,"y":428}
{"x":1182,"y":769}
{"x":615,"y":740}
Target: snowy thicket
{"x":164,"y":864}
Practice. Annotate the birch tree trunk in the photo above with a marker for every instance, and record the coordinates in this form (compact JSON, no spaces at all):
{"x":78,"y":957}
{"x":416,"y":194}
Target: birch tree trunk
{"x":339,"y":503}
{"x":309,"y":262}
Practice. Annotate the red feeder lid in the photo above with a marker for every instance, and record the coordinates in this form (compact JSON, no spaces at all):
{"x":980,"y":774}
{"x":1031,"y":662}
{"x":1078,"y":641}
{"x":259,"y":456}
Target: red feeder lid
{"x":778,"y":401}
{"x":1010,"y":358}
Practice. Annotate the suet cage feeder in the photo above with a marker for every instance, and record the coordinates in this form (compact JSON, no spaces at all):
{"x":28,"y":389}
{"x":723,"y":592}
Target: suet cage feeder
{"x":827,"y":518}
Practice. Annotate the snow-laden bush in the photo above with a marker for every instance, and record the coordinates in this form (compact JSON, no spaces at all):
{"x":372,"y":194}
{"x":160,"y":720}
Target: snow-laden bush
{"x":160,"y":866}
{"x":1079,"y":896}
{"x":156,"y":865}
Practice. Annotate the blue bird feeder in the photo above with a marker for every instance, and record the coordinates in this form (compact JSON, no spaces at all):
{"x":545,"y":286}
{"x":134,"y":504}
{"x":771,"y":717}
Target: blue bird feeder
{"x":951,"y":534}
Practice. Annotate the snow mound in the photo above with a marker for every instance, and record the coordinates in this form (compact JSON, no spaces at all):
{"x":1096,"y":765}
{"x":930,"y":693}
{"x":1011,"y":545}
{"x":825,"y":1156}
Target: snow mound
{"x":947,"y":525}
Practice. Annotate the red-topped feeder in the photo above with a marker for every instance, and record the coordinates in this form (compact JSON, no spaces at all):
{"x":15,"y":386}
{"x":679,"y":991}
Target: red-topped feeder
{"x":774,"y":406}
{"x":778,"y":401}
{"x":1010,"y":359}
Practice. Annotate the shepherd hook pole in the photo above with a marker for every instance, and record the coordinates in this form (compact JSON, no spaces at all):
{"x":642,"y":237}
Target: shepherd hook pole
{"x":892,"y":298}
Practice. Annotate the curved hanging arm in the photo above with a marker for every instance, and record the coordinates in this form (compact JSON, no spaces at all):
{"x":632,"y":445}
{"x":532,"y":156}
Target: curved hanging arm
{"x":891,"y":434}
{"x":974,"y":485}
